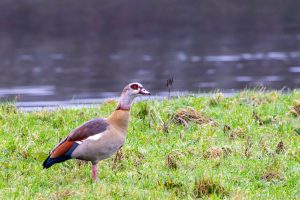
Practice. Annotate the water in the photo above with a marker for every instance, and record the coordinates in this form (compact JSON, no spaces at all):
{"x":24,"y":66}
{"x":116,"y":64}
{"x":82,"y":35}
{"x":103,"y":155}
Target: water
{"x":50,"y":58}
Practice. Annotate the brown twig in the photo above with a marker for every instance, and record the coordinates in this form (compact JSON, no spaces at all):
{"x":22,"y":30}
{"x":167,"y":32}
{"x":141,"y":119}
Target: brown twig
{"x":169,"y":85}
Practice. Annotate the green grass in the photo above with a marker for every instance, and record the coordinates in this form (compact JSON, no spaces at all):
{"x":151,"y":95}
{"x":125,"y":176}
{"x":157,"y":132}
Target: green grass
{"x":162,"y":159}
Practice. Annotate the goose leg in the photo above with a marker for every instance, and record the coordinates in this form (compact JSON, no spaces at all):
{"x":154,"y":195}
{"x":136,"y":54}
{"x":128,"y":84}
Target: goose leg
{"x":95,"y":172}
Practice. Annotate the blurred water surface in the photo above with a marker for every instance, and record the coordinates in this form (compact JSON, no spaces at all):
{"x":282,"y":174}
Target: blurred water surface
{"x":64,"y":50}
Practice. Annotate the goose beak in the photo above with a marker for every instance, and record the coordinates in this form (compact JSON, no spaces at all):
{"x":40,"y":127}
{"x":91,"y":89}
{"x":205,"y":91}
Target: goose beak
{"x":143,"y":91}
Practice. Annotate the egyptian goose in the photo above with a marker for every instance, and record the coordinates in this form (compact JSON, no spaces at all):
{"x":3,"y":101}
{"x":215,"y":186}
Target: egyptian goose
{"x":98,"y":138}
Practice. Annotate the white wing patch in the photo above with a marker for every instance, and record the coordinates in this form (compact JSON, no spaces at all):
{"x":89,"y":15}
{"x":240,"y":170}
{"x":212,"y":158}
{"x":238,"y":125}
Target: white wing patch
{"x":95,"y":137}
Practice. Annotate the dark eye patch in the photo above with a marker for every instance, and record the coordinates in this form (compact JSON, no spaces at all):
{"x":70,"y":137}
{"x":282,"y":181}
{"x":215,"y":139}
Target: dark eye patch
{"x":134,"y":86}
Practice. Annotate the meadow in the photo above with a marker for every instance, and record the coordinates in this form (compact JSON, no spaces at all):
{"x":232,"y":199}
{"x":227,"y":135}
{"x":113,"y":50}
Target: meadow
{"x":246,"y":146}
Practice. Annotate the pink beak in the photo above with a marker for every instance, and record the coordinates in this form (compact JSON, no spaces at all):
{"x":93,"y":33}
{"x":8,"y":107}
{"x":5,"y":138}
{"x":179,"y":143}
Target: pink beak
{"x":143,"y":91}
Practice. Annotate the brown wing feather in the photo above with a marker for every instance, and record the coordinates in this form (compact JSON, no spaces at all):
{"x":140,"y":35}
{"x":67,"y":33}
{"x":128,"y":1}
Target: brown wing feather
{"x":61,"y":149}
{"x":90,"y":128}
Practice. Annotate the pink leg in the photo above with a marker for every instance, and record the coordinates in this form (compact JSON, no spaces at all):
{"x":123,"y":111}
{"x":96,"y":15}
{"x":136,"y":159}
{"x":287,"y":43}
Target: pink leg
{"x":95,"y":172}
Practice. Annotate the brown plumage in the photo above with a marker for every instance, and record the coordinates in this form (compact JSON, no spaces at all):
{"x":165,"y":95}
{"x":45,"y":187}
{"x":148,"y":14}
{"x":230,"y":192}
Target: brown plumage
{"x":61,"y":149}
{"x":84,"y":131}
{"x":98,"y":138}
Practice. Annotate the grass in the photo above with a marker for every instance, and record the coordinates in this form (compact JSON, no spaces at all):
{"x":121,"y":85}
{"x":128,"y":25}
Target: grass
{"x":252,"y":151}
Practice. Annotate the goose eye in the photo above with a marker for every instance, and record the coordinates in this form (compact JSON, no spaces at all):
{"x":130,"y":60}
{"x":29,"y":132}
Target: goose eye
{"x":134,"y":86}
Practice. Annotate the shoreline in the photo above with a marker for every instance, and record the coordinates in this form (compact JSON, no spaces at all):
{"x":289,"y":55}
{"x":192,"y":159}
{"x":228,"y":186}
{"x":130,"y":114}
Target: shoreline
{"x":93,"y":102}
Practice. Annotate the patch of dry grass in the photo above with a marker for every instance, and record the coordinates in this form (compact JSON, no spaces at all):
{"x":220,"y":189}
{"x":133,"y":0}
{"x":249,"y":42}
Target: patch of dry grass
{"x":216,"y":152}
{"x":280,"y":148}
{"x":295,"y":109}
{"x":186,"y":115}
{"x":271,"y":175}
{"x":207,"y":187}
{"x":237,"y":133}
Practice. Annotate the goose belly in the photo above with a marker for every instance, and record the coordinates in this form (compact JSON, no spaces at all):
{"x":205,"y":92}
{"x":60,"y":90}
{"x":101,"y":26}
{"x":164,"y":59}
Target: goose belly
{"x":95,"y":151}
